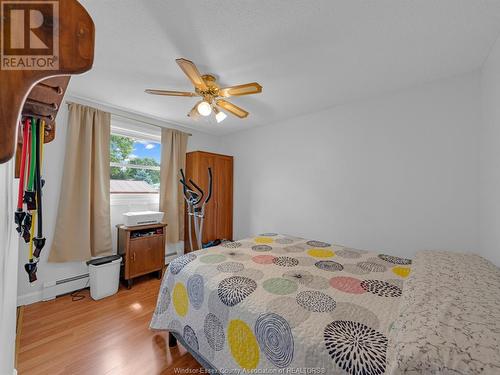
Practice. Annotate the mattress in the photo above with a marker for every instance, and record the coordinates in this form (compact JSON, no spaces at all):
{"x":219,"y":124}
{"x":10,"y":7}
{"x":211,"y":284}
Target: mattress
{"x":281,"y":302}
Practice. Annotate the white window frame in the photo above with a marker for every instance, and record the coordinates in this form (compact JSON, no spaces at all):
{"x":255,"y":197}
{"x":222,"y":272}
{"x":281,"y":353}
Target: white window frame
{"x":134,"y":166}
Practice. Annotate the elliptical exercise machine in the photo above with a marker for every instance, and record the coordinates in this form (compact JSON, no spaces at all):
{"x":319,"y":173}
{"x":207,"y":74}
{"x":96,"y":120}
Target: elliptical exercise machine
{"x":196,"y":203}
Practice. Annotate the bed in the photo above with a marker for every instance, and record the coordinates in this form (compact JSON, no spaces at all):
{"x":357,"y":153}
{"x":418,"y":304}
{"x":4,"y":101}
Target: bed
{"x":276,"y":302}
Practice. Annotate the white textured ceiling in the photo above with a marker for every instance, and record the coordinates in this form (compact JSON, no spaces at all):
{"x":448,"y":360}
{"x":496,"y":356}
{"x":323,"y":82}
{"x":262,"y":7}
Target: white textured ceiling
{"x":307,"y":54}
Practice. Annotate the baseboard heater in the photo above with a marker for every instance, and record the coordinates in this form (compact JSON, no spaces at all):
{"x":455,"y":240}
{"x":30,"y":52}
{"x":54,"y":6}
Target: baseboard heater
{"x":52,"y":289}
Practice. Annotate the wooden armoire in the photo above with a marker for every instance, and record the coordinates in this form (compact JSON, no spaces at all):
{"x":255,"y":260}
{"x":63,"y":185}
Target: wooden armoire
{"x":218,"y":222}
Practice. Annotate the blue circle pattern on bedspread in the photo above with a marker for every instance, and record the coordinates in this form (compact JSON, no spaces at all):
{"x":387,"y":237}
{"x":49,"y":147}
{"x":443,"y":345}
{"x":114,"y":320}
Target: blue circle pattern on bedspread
{"x":277,"y":285}
{"x":178,"y":264}
{"x":329,"y":265}
{"x":163,"y":301}
{"x":214,"y":332}
{"x":190,"y":338}
{"x":196,"y":291}
{"x":275,"y":339}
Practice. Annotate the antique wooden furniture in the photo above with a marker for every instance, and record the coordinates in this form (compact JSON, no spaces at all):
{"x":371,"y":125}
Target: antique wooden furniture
{"x":219,"y":211}
{"x":29,"y":93}
{"x":142,"y":249}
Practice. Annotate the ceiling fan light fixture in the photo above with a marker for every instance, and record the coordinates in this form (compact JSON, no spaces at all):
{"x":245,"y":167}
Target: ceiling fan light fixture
{"x":220,"y":116}
{"x":211,"y":95}
{"x":204,"y":108}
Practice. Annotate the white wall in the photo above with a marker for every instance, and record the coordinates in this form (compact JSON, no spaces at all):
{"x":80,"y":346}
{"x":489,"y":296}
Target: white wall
{"x":490,"y":157}
{"x":53,"y":164}
{"x":396,"y":173}
{"x":8,"y":268}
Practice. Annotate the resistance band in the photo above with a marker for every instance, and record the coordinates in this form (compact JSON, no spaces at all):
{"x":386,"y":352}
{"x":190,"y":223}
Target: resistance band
{"x":42,"y":144}
{"x":29,"y":195}
{"x":26,"y":226}
{"x":39,"y":241}
{"x":31,"y":266}
{"x":30,"y":200}
{"x":32,"y":233}
{"x":33,"y":198}
{"x":20,"y":214}
{"x":31,"y":176}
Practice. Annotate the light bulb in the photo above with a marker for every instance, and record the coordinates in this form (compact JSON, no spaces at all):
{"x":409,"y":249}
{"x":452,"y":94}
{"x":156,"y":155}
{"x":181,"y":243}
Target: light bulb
{"x":220,"y":116}
{"x":204,"y":108}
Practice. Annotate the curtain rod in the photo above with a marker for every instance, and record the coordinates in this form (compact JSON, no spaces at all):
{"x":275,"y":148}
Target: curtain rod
{"x":144,"y":122}
{"x":132,"y":119}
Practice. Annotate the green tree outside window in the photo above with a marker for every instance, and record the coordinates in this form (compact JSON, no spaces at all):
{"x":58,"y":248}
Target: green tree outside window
{"x":121,"y":150}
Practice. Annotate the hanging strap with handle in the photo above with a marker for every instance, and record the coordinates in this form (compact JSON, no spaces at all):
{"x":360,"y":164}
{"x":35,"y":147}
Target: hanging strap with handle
{"x":39,"y":240}
{"x":35,"y":184}
{"x":20,"y":214}
{"x":29,"y":195}
{"x":26,"y":226}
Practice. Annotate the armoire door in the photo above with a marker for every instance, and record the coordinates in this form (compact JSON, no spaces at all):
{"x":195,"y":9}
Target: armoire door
{"x":218,"y":222}
{"x":207,"y":160}
{"x":224,"y":197}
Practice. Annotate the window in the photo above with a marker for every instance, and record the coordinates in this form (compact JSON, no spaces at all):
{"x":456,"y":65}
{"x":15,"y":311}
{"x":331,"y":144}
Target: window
{"x":135,"y":164}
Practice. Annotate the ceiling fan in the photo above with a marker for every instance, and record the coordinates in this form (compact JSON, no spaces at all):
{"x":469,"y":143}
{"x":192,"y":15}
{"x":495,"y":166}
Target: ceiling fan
{"x":206,"y":87}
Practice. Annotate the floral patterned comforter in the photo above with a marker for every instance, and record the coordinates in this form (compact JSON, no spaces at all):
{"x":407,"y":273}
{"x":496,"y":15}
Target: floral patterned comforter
{"x":282,"y":302}
{"x":449,"y":320}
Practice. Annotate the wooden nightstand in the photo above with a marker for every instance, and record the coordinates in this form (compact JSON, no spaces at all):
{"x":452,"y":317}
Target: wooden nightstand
{"x":142,"y":249}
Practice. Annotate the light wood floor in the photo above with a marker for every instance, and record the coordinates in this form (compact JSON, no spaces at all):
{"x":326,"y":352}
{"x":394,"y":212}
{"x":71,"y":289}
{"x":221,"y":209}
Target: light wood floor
{"x":105,"y":337}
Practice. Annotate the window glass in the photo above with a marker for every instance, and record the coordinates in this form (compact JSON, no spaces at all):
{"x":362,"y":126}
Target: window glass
{"x":135,"y":165}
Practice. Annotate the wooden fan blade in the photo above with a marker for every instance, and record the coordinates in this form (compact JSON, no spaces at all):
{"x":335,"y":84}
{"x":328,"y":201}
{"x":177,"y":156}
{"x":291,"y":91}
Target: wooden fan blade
{"x":191,"y":71}
{"x":231,"y":108}
{"x":170,"y":93}
{"x":246,"y":89}
{"x":194,"y":112}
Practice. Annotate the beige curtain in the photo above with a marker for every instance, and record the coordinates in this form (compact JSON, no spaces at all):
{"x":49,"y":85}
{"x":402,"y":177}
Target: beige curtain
{"x":83,"y":228}
{"x":173,"y":158}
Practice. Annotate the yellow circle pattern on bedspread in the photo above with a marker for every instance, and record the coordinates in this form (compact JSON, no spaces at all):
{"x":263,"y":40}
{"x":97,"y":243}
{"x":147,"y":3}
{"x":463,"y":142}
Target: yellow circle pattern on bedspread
{"x":180,"y":299}
{"x":263,"y":240}
{"x":401,"y":271}
{"x":321,"y":253}
{"x":243,"y":344}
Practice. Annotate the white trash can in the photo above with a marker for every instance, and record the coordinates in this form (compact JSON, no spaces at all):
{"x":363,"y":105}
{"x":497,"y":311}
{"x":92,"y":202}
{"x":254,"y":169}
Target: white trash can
{"x":104,"y":274}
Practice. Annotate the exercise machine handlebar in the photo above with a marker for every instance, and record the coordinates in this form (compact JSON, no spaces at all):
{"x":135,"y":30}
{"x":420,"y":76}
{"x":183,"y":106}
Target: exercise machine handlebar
{"x":200,"y":191}
{"x":209,"y":185}
{"x":183,"y":181}
{"x":196,"y":202}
